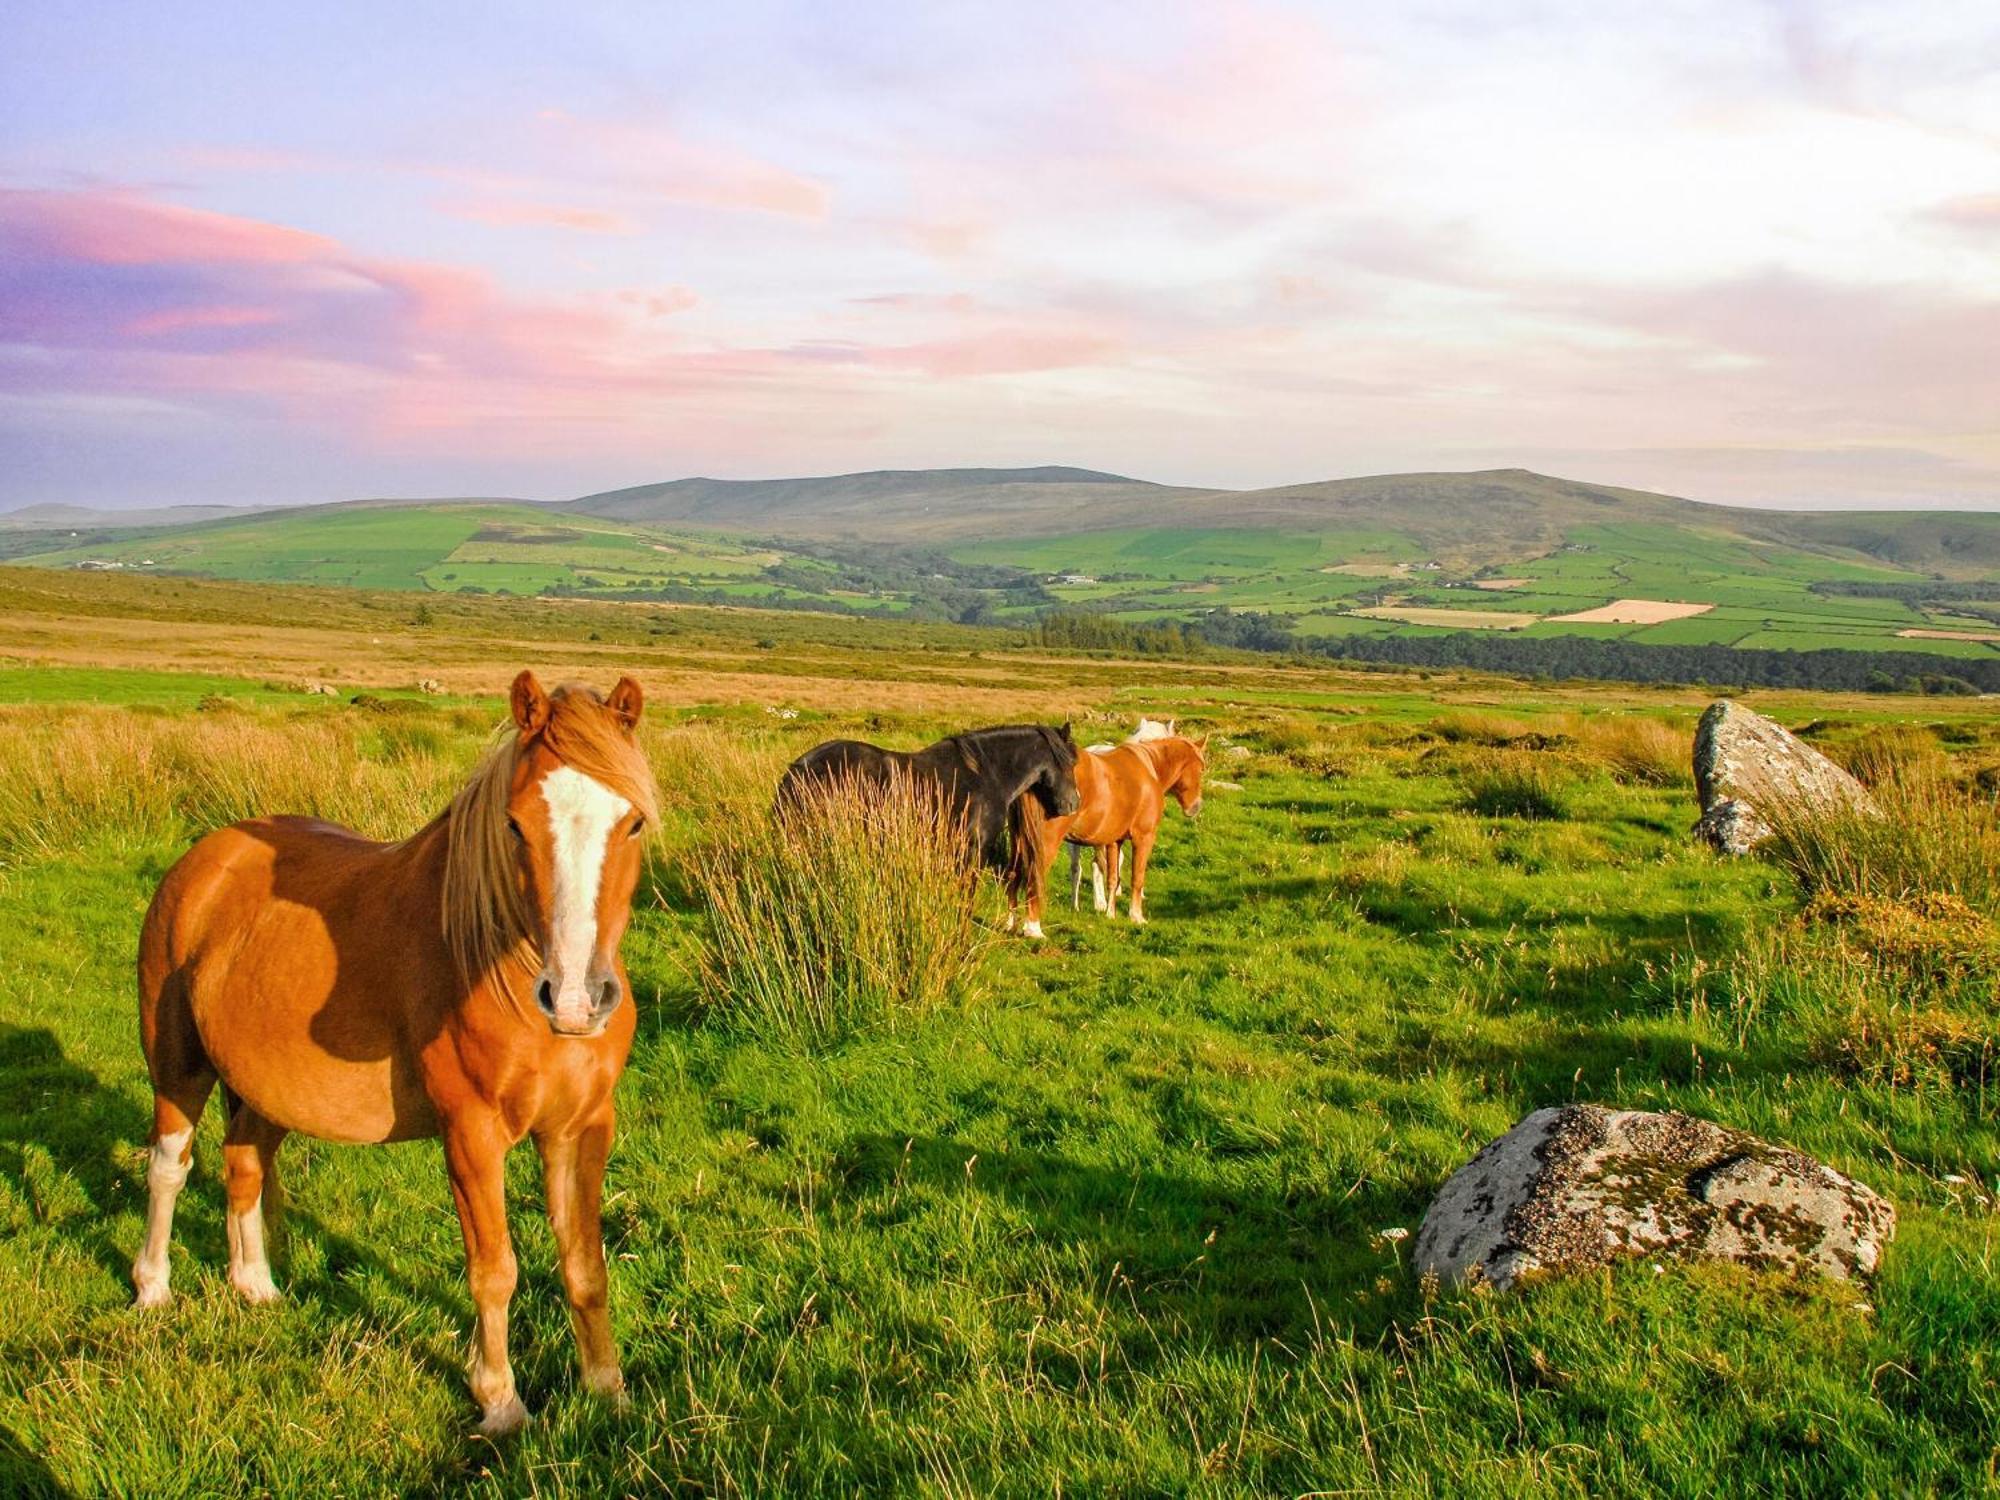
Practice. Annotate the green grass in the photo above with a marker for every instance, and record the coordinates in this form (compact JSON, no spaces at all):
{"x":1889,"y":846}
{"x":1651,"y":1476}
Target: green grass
{"x":1117,"y":1229}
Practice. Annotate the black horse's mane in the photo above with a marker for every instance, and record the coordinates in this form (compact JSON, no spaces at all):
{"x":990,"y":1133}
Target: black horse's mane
{"x":971,"y":739}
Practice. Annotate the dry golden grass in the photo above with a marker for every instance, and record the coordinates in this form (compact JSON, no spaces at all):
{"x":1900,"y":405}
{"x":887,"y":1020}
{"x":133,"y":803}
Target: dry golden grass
{"x":69,"y":778}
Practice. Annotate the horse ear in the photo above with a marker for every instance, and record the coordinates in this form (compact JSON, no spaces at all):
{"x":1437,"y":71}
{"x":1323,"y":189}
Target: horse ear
{"x":1065,"y":732}
{"x":628,"y":701}
{"x":529,"y":703}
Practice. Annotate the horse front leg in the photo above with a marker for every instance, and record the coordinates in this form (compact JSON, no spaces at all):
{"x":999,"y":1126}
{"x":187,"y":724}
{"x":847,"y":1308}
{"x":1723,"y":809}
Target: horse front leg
{"x":1142,"y":851}
{"x":573,"y":1173}
{"x":475,"y":1156}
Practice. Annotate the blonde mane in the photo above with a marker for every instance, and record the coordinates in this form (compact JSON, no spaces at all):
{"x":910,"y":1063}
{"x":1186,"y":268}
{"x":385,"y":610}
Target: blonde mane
{"x":486,"y":922}
{"x":1153,"y":750}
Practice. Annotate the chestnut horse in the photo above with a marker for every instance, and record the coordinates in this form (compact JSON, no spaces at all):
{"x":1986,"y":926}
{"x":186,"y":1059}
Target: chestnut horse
{"x":1122,"y":793}
{"x":463,"y":983}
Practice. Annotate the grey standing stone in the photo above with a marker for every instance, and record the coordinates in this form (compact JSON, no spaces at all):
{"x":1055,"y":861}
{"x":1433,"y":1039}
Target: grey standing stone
{"x":1747,"y":769}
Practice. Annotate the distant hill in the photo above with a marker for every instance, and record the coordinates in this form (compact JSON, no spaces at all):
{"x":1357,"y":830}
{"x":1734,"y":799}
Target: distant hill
{"x":1471,"y":517}
{"x":93,"y":518}
{"x":885,"y":504}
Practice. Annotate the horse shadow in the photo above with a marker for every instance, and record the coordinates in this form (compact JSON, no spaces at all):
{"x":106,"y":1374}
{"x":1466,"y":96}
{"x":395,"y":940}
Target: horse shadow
{"x":23,"y":1474}
{"x":58,"y":1113}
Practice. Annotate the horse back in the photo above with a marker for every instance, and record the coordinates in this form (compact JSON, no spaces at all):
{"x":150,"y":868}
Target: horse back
{"x":294,"y":953}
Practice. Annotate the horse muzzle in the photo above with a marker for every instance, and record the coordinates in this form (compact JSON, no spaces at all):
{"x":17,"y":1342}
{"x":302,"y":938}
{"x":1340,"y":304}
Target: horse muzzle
{"x":582,"y":1010}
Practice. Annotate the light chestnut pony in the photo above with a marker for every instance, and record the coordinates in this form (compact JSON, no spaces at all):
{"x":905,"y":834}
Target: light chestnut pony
{"x":463,"y":983}
{"x":1122,"y":794}
{"x":1149,"y":729}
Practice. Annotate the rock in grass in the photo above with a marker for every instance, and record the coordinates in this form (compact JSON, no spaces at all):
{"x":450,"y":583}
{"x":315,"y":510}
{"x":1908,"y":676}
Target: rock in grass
{"x":1748,"y":770}
{"x":1583,"y":1186}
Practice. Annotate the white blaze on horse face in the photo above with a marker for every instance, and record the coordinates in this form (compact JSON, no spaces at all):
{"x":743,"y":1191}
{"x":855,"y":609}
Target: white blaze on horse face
{"x":582,"y":814}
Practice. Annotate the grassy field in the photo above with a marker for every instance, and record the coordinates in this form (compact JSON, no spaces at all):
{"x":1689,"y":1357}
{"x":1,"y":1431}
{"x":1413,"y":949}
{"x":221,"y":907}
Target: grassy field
{"x":1118,"y":1222}
{"x":1324,"y":581}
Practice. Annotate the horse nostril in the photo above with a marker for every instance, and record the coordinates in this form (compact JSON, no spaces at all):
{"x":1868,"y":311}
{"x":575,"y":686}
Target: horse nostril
{"x":611,"y":996}
{"x":545,"y":997}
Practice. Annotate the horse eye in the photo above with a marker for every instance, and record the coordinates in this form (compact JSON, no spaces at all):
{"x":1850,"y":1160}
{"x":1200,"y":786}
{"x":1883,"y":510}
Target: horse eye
{"x":638,"y":827}
{"x":515,"y":829}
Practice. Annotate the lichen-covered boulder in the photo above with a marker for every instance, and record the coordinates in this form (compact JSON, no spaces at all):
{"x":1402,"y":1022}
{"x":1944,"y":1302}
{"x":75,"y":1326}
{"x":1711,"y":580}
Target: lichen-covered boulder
{"x":1747,"y":770}
{"x":1582,"y":1186}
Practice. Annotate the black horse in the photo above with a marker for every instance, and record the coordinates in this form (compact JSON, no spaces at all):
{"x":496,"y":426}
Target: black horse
{"x":980,"y":773}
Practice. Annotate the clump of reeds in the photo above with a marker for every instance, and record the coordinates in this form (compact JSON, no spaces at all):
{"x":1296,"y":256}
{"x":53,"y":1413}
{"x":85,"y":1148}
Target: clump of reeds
{"x":1922,"y":836}
{"x":1515,"y":784}
{"x":1637,"y":749}
{"x":852,"y":907}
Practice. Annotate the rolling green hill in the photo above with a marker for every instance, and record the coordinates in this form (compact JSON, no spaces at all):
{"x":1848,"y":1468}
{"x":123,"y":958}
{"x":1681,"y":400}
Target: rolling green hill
{"x":1502,"y":553}
{"x":1463,"y":519}
{"x":493,"y":546}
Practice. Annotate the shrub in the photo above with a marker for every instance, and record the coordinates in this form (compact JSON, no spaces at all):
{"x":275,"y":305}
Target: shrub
{"x":1889,"y":1015}
{"x":1892,"y":969}
{"x":853,"y":909}
{"x":1515,"y":784}
{"x":69,"y":779}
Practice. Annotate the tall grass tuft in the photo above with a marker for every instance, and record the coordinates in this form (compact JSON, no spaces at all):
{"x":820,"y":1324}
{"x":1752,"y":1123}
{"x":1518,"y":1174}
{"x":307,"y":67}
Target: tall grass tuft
{"x":1638,"y":750}
{"x":1515,"y":784}
{"x":1925,"y":838}
{"x":1892,"y":967}
{"x":854,"y":909}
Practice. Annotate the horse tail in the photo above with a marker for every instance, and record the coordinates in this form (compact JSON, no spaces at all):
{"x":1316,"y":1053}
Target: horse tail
{"x":1026,"y":824}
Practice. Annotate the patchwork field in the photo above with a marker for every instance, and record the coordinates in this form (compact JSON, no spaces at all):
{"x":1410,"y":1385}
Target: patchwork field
{"x":1126,"y":1217}
{"x":1651,"y":581}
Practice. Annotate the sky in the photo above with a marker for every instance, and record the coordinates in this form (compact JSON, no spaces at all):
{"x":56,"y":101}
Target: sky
{"x":1739,"y":251}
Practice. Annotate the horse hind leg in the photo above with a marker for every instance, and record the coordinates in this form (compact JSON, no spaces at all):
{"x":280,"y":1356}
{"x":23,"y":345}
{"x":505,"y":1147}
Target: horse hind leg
{"x":182,"y":1081}
{"x":250,"y":1172}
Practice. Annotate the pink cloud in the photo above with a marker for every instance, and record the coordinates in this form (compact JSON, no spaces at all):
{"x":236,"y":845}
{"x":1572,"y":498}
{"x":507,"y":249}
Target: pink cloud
{"x":662,"y":303}
{"x":116,"y":295}
{"x":119,"y":229}
{"x":998,"y":351}
{"x":663,"y":164}
{"x":1978,"y":213}
{"x":509,"y":214}
{"x":176,"y":319}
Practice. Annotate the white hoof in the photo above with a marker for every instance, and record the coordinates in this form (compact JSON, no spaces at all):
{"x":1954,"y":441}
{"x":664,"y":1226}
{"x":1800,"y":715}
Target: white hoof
{"x":608,"y":1386}
{"x":150,"y":1290}
{"x":1138,"y":919}
{"x":255,"y":1285}
{"x":1032,"y":930}
{"x":510,"y":1416}
{"x":1008,"y":925}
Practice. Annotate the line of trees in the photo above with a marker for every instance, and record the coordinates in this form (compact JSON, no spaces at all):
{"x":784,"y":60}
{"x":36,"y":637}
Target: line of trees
{"x":1830,"y":669}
